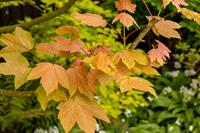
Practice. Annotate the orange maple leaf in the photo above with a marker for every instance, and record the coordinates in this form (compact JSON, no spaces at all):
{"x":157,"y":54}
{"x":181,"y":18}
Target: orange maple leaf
{"x":159,"y":54}
{"x":125,"y":5}
{"x":138,"y":84}
{"x":90,"y":19}
{"x":80,"y":110}
{"x":166,"y":28}
{"x":51,"y":76}
{"x":61,"y":47}
{"x":67,"y":29}
{"x":126,"y":19}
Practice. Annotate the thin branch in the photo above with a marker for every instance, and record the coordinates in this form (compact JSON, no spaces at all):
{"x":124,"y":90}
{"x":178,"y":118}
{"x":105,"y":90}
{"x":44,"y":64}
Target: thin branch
{"x":147,"y":7}
{"x":11,"y":93}
{"x":143,"y":33}
{"x":8,"y":0}
{"x":41,"y":19}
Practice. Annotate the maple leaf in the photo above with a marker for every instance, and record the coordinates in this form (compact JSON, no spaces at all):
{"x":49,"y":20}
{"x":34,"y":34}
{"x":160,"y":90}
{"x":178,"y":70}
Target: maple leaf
{"x":149,"y":70}
{"x":80,"y":110}
{"x":191,"y":15}
{"x":176,"y":3}
{"x":90,"y":19}
{"x":16,"y":65}
{"x":138,"y":84}
{"x":81,"y":79}
{"x":159,"y":54}
{"x":166,"y":28}
{"x":125,"y":5}
{"x":51,"y":76}
{"x":102,"y":62}
{"x":126,"y":19}
{"x":57,"y":95}
{"x":67,"y":29}
{"x":20,"y":40}
{"x":61,"y":47}
{"x":130,"y":58}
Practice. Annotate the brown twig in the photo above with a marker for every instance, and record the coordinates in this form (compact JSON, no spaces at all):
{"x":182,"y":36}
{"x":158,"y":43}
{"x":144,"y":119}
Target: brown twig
{"x":147,"y":7}
{"x":41,"y":19}
{"x":10,"y":93}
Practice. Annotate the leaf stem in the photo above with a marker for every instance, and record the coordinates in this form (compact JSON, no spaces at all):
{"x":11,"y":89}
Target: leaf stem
{"x":147,"y":7}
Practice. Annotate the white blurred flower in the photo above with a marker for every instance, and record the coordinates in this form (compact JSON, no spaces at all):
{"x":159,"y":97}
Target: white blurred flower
{"x":190,"y":72}
{"x":53,"y":129}
{"x":171,"y":128}
{"x":97,"y":127}
{"x":102,"y":131}
{"x":128,"y":113}
{"x":195,"y":83}
{"x":149,"y":98}
{"x":173,"y":73}
{"x":177,"y":65}
{"x":167,"y":90}
{"x":40,"y":130}
{"x":191,"y":128}
{"x":183,"y":89}
{"x":178,"y":122}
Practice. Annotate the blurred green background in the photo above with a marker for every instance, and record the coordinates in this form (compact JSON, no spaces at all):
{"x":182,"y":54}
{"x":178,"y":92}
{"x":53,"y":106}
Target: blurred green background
{"x":176,"y":111}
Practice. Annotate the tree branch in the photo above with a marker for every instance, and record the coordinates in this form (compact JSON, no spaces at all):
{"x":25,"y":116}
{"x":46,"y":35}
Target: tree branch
{"x":41,"y":19}
{"x":143,"y":33}
{"x":10,"y":93}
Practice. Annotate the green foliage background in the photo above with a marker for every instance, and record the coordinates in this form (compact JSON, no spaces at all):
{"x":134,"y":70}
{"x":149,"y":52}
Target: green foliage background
{"x":176,"y":111}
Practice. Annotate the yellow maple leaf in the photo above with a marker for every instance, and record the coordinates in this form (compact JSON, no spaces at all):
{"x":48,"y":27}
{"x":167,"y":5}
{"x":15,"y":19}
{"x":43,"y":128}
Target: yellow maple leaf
{"x":80,"y":110}
{"x":191,"y":15}
{"x":130,"y":58}
{"x":20,"y":40}
{"x":102,"y":62}
{"x":138,"y":84}
{"x":16,"y":65}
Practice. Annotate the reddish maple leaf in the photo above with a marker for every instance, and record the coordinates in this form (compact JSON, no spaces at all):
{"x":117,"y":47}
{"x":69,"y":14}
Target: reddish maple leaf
{"x":126,"y":19}
{"x":159,"y":54}
{"x":125,"y":5}
{"x":90,"y":19}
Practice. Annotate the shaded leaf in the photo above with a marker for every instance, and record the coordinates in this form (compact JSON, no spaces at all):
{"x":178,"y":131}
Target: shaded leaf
{"x":80,"y":78}
{"x":57,"y":95}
